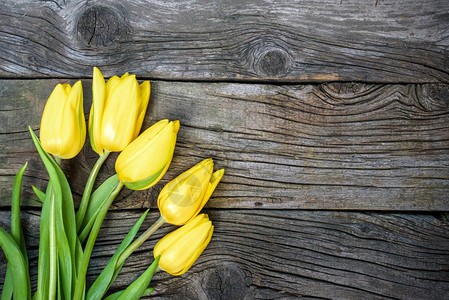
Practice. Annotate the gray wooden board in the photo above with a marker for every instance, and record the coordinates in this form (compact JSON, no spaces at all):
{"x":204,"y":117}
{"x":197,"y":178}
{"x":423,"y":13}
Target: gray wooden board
{"x":287,"y":254}
{"x":314,"y":40}
{"x":328,"y":146}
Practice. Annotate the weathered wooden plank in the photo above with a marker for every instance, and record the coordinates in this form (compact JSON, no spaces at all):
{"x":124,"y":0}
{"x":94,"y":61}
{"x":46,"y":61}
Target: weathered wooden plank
{"x":296,"y":41}
{"x":289,"y":254}
{"x":329,"y":146}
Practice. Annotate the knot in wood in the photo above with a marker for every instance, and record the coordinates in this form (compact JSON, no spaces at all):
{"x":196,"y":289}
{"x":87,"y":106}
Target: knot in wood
{"x":100,"y":26}
{"x":226,"y":281}
{"x":347,"y":89}
{"x":433,"y":96}
{"x":271,"y":59}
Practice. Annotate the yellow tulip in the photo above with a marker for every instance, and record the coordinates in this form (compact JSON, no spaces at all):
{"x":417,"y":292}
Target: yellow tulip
{"x":182,"y":247}
{"x":63,"y":127}
{"x":117,"y":112}
{"x":183,"y":197}
{"x":143,"y":162}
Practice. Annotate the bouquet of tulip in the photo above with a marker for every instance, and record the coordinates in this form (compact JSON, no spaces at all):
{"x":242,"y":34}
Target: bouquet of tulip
{"x":67,"y":238}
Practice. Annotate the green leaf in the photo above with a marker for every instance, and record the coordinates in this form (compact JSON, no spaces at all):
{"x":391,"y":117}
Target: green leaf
{"x":60,"y":292}
{"x":39,"y":193}
{"x":16,"y":232}
{"x":21,"y":279}
{"x":104,"y":281}
{"x":148,"y":291}
{"x":65,"y":265}
{"x":141,"y":184}
{"x":117,"y":294}
{"x":114,"y":296}
{"x":8,"y":285}
{"x":81,"y":278}
{"x":66,"y":211}
{"x":16,"y":227}
{"x":43,"y":273}
{"x":138,"y":287}
{"x":78,"y":255}
{"x":96,"y":201}
{"x":66,"y":236}
{"x":65,"y":225}
{"x":62,"y":192}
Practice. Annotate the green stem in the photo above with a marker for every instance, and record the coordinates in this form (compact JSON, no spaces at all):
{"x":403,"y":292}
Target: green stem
{"x":139,"y":241}
{"x":58,"y":160}
{"x":88,"y":189}
{"x":53,"y":254}
{"x":81,"y":280}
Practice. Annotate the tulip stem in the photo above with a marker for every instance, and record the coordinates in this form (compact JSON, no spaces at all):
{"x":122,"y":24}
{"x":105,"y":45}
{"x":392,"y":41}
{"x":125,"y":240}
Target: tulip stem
{"x":58,"y":160}
{"x":88,"y":190}
{"x":81,"y":280}
{"x":139,"y":241}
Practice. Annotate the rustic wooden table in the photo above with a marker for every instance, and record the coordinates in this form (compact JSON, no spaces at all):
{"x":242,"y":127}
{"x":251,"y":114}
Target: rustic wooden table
{"x":330,"y":117}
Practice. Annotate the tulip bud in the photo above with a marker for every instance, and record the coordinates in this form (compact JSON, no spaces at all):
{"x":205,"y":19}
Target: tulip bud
{"x":143,"y":162}
{"x":184,"y":197}
{"x":63,"y":128}
{"x":117,"y":112}
{"x":182,"y":247}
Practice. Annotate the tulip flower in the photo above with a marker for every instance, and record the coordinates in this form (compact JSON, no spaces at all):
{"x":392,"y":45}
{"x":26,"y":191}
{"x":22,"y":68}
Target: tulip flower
{"x":183,"y":197}
{"x":181,"y":200}
{"x":179,"y":249}
{"x":117,"y":111}
{"x":63,"y":128}
{"x":143,"y":162}
{"x":116,"y":116}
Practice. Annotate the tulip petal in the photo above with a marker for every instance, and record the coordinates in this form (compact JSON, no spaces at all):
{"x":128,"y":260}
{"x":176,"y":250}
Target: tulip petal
{"x":112,"y":83}
{"x":81,"y":119}
{"x":198,"y":175}
{"x":170,"y":238}
{"x":215,"y":179}
{"x":180,"y":249}
{"x":50,"y":124}
{"x":184,"y":197}
{"x":96,"y":111}
{"x":149,"y":152}
{"x":63,"y":128}
{"x":145,"y":97}
{"x":73,"y":126}
{"x":197,"y":254}
{"x":125,"y":164}
{"x":110,"y":86}
{"x":67,"y":88}
{"x":120,"y":114}
{"x":181,"y":198}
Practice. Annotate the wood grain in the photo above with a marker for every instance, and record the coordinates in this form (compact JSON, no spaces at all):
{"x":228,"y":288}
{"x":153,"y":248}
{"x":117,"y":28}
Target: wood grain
{"x":285,"y":41}
{"x":288,"y":254}
{"x":328,"y":146}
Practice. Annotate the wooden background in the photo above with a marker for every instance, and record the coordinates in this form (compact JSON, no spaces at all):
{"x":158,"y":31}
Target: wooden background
{"x":331,"y":119}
